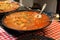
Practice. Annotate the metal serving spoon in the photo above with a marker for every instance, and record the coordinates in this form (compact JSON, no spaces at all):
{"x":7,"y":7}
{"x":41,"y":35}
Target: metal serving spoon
{"x":39,"y":15}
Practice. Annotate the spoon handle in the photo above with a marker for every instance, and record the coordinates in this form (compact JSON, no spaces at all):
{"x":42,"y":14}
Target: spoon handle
{"x":43,"y":8}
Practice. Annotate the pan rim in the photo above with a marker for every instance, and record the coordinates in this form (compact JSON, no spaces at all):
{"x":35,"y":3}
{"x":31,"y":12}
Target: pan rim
{"x":22,"y":30}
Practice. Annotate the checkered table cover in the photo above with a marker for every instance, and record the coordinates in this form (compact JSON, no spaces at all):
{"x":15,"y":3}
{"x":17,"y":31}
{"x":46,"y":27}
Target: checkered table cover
{"x":53,"y":31}
{"x":5,"y":36}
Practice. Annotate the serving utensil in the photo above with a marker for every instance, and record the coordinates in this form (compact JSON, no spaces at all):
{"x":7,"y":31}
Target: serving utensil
{"x":39,"y":15}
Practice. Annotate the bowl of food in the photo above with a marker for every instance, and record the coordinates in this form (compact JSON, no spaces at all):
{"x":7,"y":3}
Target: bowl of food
{"x":25,"y":21}
{"x":8,"y":6}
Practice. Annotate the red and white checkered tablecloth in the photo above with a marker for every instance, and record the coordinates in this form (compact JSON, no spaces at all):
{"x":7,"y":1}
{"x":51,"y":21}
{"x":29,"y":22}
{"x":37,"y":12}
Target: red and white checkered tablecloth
{"x":5,"y":36}
{"x":53,"y":30}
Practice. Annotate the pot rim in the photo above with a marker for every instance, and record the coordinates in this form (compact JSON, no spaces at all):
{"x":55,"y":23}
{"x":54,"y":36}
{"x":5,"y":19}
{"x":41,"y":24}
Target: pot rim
{"x":23,"y":30}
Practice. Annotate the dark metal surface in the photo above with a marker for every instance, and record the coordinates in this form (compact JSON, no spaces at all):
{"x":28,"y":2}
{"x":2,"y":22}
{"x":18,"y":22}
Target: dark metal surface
{"x":15,"y":32}
{"x":34,"y":37}
{"x":20,"y":11}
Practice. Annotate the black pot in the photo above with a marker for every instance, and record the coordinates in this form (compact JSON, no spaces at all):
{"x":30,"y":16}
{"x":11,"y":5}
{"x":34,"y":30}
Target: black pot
{"x":18,"y":32}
